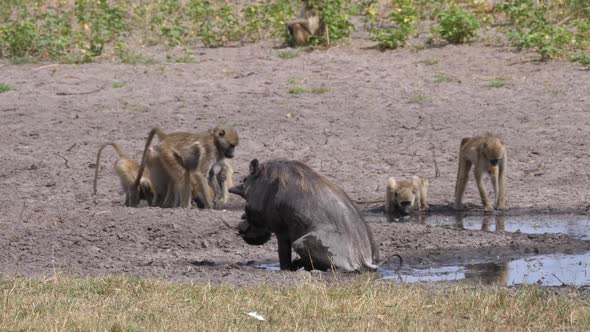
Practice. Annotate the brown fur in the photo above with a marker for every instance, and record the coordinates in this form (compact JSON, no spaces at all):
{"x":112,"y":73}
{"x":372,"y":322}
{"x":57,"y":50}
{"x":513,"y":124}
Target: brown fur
{"x":184,"y":160}
{"x":307,"y":24}
{"x":488,"y":154}
{"x":406,"y":195}
{"x":127,"y":170}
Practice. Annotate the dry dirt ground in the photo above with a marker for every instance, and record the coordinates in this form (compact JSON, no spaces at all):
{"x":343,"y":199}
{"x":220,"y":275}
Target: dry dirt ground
{"x":365,"y":115}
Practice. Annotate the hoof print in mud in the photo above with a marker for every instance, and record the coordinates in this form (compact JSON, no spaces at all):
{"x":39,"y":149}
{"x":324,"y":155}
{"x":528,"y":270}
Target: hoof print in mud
{"x":308,"y":214}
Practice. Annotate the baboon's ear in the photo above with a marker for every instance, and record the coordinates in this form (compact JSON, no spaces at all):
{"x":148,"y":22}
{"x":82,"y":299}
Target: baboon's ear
{"x":392,"y":183}
{"x":254,"y":167}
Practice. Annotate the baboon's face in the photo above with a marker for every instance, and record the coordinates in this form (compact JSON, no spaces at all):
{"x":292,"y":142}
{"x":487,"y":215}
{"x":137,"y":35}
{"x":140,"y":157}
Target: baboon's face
{"x":226,"y":140}
{"x":494,"y":151}
{"x":405,"y":197}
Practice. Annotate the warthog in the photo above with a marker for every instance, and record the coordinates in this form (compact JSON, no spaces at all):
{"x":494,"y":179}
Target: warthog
{"x":308,"y":213}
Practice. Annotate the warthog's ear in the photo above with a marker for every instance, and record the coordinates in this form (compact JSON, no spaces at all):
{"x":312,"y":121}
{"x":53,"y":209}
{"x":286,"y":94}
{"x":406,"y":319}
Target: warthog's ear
{"x":254,"y":167}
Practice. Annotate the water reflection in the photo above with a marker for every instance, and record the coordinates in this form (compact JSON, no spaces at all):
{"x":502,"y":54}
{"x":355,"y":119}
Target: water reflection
{"x":575,"y":226}
{"x":543,"y":270}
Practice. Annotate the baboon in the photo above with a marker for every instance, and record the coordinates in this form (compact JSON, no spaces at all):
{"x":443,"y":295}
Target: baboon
{"x":307,"y":24}
{"x":184,"y":161}
{"x":488,"y":154}
{"x":127,"y":170}
{"x":307,"y":213}
{"x":403,"y":196}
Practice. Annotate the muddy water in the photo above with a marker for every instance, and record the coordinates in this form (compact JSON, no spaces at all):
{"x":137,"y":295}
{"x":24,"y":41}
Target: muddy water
{"x":571,"y":269}
{"x":575,"y":226}
{"x":543,"y":270}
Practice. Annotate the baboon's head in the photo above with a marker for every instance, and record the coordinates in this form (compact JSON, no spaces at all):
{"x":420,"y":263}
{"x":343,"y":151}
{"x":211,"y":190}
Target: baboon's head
{"x":493,"y":150}
{"x":242,"y":188}
{"x":226,"y":140}
{"x":404,"y":193}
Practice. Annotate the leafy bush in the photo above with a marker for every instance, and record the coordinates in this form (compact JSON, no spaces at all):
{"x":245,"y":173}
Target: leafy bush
{"x":405,"y":17}
{"x":336,"y":20}
{"x":457,"y":25}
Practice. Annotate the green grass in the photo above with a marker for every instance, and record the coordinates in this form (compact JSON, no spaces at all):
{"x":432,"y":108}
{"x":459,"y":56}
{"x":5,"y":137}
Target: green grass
{"x":287,"y":54}
{"x":5,"y":87}
{"x":420,"y":99}
{"x":441,"y":78}
{"x":120,"y":304}
{"x":497,"y":83}
{"x":297,"y":90}
{"x":117,"y":85}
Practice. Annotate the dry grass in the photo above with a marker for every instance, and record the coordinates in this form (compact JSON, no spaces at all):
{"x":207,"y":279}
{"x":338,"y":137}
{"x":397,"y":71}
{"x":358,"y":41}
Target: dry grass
{"x":119,"y":304}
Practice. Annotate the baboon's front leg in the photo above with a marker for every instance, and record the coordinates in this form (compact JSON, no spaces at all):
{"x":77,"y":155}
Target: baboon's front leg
{"x":502,"y":183}
{"x":494,"y":179}
{"x":462,"y":177}
{"x":482,"y":191}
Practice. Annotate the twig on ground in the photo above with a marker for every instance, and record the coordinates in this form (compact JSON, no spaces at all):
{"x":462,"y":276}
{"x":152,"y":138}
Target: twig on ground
{"x":46,"y":66}
{"x":80,"y":93}
{"x":62,"y":157}
{"x":71,"y":147}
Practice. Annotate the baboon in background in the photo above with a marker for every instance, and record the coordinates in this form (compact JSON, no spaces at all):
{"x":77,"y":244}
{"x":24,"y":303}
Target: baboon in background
{"x":127,"y":170}
{"x":184,"y":161}
{"x":308,"y":213}
{"x":307,"y":24}
{"x":403,"y":196}
{"x":488,"y":154}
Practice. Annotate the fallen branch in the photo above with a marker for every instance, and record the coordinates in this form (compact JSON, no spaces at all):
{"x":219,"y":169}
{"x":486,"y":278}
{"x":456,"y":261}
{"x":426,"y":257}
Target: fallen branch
{"x":80,"y":93}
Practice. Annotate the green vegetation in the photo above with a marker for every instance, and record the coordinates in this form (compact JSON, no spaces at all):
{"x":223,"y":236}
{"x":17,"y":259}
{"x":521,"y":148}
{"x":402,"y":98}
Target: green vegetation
{"x":121,"y":304}
{"x":404,"y":16}
{"x":117,"y":85}
{"x":419,"y":99}
{"x":441,"y":78}
{"x":79,"y":31}
{"x":287,"y":54}
{"x":458,"y":25}
{"x":5,"y":87}
{"x":497,"y":83}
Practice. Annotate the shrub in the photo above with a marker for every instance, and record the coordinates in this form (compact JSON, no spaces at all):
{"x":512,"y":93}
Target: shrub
{"x":405,"y":17}
{"x":457,"y":26}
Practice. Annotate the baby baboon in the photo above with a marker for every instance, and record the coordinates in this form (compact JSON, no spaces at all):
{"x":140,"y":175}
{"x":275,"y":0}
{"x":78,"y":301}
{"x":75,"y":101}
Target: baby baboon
{"x":127,"y":170}
{"x":488,"y":154}
{"x":307,"y":24}
{"x":185,"y":161}
{"x":403,"y":196}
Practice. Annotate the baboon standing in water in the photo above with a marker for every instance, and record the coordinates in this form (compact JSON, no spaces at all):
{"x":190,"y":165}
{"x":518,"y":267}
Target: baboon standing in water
{"x":488,"y":155}
{"x":307,"y":24}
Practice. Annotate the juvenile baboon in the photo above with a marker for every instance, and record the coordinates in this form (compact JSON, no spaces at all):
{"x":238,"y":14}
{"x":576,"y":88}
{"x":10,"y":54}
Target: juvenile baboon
{"x":403,"y":196}
{"x":309,"y":214}
{"x":307,"y":24}
{"x":127,"y":170}
{"x":488,"y":154}
{"x":185,"y":161}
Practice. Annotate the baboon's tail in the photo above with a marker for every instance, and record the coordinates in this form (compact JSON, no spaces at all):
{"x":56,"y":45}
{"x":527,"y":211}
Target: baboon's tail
{"x":120,"y":152}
